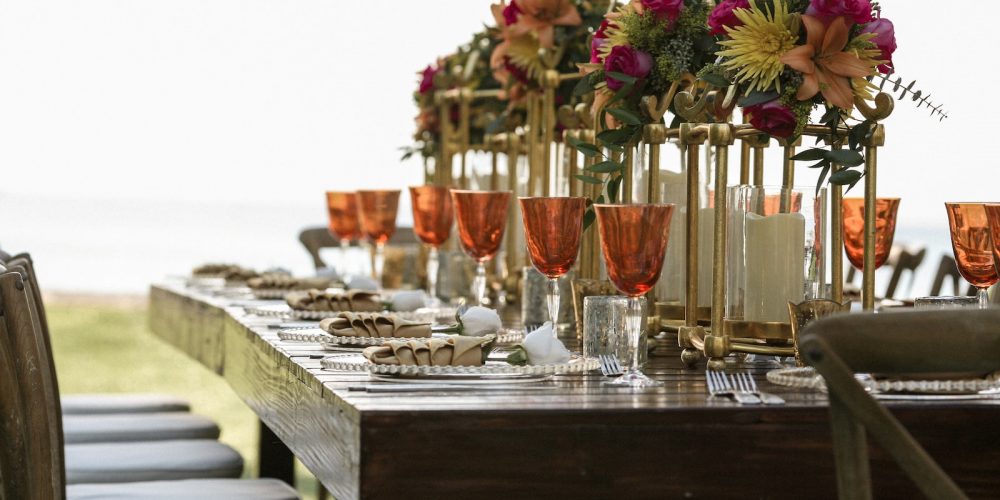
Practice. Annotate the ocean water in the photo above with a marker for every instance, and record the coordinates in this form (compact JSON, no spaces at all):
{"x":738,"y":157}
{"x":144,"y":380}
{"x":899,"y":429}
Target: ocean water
{"x":122,"y":246}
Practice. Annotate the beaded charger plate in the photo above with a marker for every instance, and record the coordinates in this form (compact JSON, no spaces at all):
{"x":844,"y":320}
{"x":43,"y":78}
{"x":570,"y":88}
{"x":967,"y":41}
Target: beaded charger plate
{"x":358,"y":363}
{"x":284,"y":311}
{"x":280,"y":293}
{"x":895,"y":388}
{"x":319,"y":336}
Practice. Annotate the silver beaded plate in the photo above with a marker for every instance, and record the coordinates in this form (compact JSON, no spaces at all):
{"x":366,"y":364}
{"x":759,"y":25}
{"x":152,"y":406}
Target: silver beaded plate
{"x":807,"y":378}
{"x":319,"y":336}
{"x":284,"y":311}
{"x":358,"y":363}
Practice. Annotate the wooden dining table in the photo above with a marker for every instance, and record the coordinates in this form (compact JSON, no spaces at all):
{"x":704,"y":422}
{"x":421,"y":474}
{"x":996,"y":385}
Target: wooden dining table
{"x":568,"y":437}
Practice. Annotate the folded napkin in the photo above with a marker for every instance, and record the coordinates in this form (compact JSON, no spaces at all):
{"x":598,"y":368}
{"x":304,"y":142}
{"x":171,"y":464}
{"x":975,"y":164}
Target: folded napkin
{"x":349,"y":324}
{"x":276,"y":281}
{"x":318,"y":300}
{"x":452,"y":351}
{"x":231,"y":272}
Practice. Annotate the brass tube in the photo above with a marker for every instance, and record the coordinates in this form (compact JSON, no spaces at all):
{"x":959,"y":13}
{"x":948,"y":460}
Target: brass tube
{"x":787,"y":176}
{"x":836,"y":236}
{"x":548,"y":131}
{"x":758,"y":165}
{"x":626,"y":189}
{"x":510,"y":244}
{"x":463,"y":136}
{"x":573,"y":163}
{"x":494,"y":170}
{"x":719,"y":247}
{"x":691,"y":297}
{"x":653,"y":187}
{"x":868,"y":275}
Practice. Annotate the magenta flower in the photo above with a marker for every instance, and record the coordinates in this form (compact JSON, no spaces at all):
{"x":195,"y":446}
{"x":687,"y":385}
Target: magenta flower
{"x":664,"y":9}
{"x":511,"y":12}
{"x":773,"y":118}
{"x":628,"y":61}
{"x":599,"y":38}
{"x":427,"y":79}
{"x":722,"y":15}
{"x":885,"y":40}
{"x":859,"y":11}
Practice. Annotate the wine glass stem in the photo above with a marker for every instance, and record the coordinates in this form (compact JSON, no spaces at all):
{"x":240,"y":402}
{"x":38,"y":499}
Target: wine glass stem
{"x":552,"y":296}
{"x":479,"y":284}
{"x":633,"y":329}
{"x":432,"y":273}
{"x":983,"y":295}
{"x":379,"y":264}
{"x":345,"y":245}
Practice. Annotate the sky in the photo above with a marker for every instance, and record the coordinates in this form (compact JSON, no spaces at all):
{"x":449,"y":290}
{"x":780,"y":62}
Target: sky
{"x":253,"y":103}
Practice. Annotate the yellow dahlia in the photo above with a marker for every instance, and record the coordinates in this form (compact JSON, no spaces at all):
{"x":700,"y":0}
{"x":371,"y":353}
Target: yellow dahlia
{"x":754,"y":49}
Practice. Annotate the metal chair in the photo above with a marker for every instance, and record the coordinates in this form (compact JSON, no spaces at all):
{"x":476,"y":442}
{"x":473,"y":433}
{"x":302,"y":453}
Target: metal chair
{"x":907,"y":343}
{"x":947,"y":268}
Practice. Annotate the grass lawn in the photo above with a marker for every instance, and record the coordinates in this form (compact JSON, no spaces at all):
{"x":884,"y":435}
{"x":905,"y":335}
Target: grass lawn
{"x":106,"y":346}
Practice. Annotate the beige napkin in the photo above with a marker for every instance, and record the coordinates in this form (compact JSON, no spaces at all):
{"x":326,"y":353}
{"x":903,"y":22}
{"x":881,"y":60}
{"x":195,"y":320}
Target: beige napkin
{"x":349,"y":324}
{"x":453,"y":351}
{"x":230,"y":272}
{"x":277,"y":281}
{"x":318,"y":300}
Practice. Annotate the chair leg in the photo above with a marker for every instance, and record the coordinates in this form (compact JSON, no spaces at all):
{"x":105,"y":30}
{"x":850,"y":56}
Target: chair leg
{"x":321,"y":493}
{"x":850,"y":450}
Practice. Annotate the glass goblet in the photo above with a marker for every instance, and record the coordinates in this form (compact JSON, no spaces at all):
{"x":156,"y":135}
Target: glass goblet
{"x":552,"y":229}
{"x":854,"y":229}
{"x":993,"y":220}
{"x":970,"y":240}
{"x":342,"y":209}
{"x":432,"y":219}
{"x":378,"y":220}
{"x":634,"y":241}
{"x":481,"y":217}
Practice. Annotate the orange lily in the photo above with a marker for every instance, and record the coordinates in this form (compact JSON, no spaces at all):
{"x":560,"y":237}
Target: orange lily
{"x":827,"y":69}
{"x":541,"y":17}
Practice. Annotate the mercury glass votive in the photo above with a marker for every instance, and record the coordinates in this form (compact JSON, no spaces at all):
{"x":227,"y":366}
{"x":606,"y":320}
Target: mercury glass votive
{"x":604,"y":328}
{"x":534,"y":299}
{"x":946,"y":302}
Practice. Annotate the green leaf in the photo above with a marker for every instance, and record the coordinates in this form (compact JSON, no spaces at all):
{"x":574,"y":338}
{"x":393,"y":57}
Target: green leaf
{"x":588,"y":150}
{"x":621,"y":93}
{"x":824,"y":163}
{"x":518,"y":357}
{"x":621,"y":77}
{"x":846,"y":157}
{"x":758,"y":98}
{"x":844,"y":177}
{"x":625,"y":116}
{"x":605,"y":167}
{"x":584,"y":86}
{"x":617,"y":148}
{"x":614,"y":136}
{"x":832,"y":114}
{"x":588,"y":218}
{"x":811,"y":154}
{"x":716,"y":79}
{"x":614,"y":186}
{"x":589,"y":179}
{"x":822,"y":177}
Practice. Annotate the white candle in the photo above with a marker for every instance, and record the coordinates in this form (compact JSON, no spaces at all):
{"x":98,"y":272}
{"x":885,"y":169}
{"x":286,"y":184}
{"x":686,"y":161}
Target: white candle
{"x":775,"y":253}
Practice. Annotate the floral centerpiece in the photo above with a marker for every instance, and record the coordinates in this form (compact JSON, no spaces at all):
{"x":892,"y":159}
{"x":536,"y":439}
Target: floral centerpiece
{"x":786,"y":58}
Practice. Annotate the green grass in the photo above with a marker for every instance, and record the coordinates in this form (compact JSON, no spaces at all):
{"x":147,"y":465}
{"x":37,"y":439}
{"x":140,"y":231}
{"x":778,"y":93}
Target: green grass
{"x":107,"y":348}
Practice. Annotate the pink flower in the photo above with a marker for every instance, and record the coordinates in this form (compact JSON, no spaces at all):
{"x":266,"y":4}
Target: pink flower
{"x":516,"y":71}
{"x":722,"y":15}
{"x":629,"y":61}
{"x":772,"y":117}
{"x":664,"y":9}
{"x":511,"y":13}
{"x":859,"y":11}
{"x":427,"y":79}
{"x":885,"y":40}
{"x":599,"y":38}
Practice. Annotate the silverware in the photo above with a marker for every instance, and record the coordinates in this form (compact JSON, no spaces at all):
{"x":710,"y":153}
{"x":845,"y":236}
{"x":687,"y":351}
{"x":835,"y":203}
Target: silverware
{"x":746,"y":383}
{"x":610,"y":366}
{"x":719,"y":386}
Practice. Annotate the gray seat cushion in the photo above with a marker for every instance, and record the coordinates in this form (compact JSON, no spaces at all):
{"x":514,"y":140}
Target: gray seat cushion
{"x":137,"y":427}
{"x":90,"y":404}
{"x":150,"y":461}
{"x":194,"y":489}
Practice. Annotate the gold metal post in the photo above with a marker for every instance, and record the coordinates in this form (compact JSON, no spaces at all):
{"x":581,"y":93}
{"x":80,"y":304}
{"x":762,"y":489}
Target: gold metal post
{"x":744,"y":162}
{"x":787,"y":172}
{"x":720,"y":137}
{"x":626,"y":189}
{"x":871,"y":161}
{"x":691,"y":140}
{"x":836,"y":233}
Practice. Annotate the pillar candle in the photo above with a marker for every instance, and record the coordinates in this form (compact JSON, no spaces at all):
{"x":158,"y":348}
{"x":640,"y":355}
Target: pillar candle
{"x":775,"y":253}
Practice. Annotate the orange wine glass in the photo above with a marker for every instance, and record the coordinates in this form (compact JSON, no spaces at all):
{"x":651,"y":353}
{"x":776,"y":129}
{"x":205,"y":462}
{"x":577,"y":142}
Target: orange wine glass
{"x":971,"y":242}
{"x":432,"y":219}
{"x":378,"y":220}
{"x":481,"y":217}
{"x":634,"y":241}
{"x":854,"y":229}
{"x":342,"y":209}
{"x":552,"y":229}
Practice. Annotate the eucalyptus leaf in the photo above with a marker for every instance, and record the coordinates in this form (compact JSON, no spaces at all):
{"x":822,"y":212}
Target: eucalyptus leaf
{"x":846,"y":157}
{"x":621,"y":77}
{"x":605,"y":167}
{"x":614,"y":186}
{"x":845,"y":176}
{"x":822,"y":177}
{"x":811,"y":154}
{"x":589,"y":179}
{"x":625,"y":116}
{"x":584,"y":86}
{"x":588,"y":218}
{"x":615,"y":136}
{"x":716,"y":79}
{"x":587,"y":149}
{"x":758,"y":98}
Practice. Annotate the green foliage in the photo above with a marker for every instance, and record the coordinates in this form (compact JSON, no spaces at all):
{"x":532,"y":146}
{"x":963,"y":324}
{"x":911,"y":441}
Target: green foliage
{"x":684,"y":47}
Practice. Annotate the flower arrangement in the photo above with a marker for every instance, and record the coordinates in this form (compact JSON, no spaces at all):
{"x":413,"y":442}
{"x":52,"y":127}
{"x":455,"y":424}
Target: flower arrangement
{"x":640,"y":55}
{"x":786,"y":58}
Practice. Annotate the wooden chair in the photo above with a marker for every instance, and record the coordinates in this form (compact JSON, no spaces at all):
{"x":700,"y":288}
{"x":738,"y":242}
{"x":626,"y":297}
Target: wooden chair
{"x":947,"y":268}
{"x":907,"y":343}
{"x":33,"y":456}
{"x":901,"y":259}
{"x":315,"y":239}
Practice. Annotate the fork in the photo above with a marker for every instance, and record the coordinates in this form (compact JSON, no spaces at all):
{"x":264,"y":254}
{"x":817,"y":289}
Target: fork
{"x":746,"y":383}
{"x":719,"y":385}
{"x":610,"y":366}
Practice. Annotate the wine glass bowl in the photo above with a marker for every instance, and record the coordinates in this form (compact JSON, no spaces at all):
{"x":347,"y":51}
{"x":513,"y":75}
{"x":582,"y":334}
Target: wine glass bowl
{"x":973,"y":247}
{"x":854,"y":229}
{"x":378,"y":221}
{"x":634,"y":242}
{"x":552,"y":229}
{"x":993,"y":219}
{"x":481,"y":217}
{"x":342,"y":209}
{"x":432,"y":219}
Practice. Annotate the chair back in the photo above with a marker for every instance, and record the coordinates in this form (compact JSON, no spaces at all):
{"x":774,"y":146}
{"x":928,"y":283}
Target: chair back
{"x":36,"y":468}
{"x":908,"y":260}
{"x":903,"y":342}
{"x":316,"y":238}
{"x":948,"y":269}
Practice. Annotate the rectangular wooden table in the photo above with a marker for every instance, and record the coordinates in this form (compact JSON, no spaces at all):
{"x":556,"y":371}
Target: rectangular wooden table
{"x":579,"y":439}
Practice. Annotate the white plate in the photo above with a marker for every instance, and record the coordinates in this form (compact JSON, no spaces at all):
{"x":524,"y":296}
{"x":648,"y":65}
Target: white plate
{"x":320,"y":336}
{"x":284,"y":311}
{"x":358,"y":363}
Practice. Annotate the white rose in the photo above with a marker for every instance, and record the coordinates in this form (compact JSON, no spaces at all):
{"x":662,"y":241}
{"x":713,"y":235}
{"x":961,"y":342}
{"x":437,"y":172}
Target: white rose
{"x":543,"y":348}
{"x":410,"y":300}
{"x":479,"y":321}
{"x":362,"y":283}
